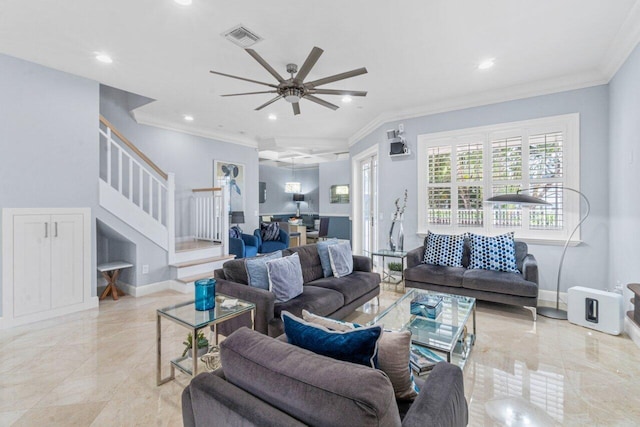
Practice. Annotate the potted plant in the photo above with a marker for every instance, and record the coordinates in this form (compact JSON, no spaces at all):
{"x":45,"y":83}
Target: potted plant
{"x":203,"y":345}
{"x":395,"y":268}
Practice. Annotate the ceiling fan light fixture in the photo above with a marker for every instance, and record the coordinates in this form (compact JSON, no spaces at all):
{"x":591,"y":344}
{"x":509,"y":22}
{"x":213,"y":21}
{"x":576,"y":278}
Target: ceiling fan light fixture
{"x":292,"y":94}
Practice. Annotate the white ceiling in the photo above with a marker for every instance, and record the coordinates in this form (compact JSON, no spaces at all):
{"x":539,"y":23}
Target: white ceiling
{"x":421,"y":55}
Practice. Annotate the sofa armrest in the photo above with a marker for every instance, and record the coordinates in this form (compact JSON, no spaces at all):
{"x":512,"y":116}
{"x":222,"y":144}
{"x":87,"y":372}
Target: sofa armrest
{"x":284,"y":238}
{"x":530,"y":268}
{"x":236,"y":247}
{"x":415,"y":256}
{"x":250,"y":240}
{"x":264,"y":301}
{"x":361,"y":263}
{"x":441,"y":400}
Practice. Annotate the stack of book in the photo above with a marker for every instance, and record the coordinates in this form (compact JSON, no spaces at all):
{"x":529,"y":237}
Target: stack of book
{"x":422,"y":359}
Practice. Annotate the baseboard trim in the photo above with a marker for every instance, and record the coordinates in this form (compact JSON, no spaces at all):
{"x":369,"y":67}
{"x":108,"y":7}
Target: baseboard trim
{"x":550,"y":296}
{"x":152,"y":288}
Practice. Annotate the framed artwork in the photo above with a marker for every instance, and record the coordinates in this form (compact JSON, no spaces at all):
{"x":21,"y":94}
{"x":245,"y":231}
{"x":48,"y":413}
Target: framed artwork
{"x":339,"y":194}
{"x":231,"y":175}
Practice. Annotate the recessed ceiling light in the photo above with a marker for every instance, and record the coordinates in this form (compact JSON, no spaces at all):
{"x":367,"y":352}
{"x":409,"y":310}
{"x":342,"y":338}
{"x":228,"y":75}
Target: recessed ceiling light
{"x":486,"y":64}
{"x":103,"y":57}
{"x":183,"y":2}
{"x":273,"y":117}
{"x":188,"y":118}
{"x":346,"y":99}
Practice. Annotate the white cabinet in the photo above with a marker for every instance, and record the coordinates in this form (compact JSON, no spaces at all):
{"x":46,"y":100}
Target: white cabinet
{"x":47,"y":263}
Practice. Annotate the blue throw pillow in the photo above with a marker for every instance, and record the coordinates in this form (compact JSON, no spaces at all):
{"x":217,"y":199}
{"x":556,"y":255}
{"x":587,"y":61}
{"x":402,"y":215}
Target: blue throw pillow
{"x":235,"y":232}
{"x":323,"y":252}
{"x":358,"y":346}
{"x":341,"y":259}
{"x":257,"y":269}
{"x":443,"y":249}
{"x":493,"y":253}
{"x":285,"y":277}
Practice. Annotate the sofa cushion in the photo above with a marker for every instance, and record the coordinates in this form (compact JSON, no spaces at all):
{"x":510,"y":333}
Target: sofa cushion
{"x":352,"y":286}
{"x":499,"y":282}
{"x":316,"y":300}
{"x":285,"y":277}
{"x":323,"y":253}
{"x":436,"y":274}
{"x":443,"y":249}
{"x":341,"y":259}
{"x":257,"y":269}
{"x":493,"y":253}
{"x":314,"y":389}
{"x":358,"y":345}
{"x":235,"y":271}
{"x":310,"y":261}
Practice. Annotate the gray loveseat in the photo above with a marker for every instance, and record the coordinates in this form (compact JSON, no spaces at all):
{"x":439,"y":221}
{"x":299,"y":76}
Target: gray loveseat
{"x":519,"y":289}
{"x":331,"y":296}
{"x":268,"y":382}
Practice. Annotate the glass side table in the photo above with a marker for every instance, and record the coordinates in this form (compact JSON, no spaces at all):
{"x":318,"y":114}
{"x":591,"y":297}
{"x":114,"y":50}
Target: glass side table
{"x":387,"y":276}
{"x":186,"y":315}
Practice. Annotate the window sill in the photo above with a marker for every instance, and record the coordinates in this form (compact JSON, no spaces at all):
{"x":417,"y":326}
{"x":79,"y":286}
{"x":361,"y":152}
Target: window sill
{"x":529,"y":240}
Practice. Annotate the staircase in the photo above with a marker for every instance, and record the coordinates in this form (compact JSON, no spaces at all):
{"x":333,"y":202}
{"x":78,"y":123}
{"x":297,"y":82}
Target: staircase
{"x":143,"y":196}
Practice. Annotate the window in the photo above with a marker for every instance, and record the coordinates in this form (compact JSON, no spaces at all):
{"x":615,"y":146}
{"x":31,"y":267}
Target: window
{"x":458,"y":170}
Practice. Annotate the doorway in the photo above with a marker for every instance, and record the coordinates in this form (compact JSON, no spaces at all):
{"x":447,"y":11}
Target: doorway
{"x":365,"y":206}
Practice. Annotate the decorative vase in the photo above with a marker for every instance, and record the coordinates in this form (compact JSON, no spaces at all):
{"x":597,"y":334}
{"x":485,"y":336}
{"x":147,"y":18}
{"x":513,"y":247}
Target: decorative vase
{"x":396,"y":243}
{"x":400,"y":246}
{"x":205,"y":290}
{"x":201,"y":352}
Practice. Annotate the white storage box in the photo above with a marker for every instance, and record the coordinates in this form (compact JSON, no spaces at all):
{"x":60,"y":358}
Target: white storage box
{"x":595,"y":309}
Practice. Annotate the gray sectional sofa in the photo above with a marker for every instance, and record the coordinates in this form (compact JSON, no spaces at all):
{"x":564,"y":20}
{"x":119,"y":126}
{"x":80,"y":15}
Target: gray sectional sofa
{"x":519,"y":289}
{"x":331,"y":296}
{"x":268,"y":382}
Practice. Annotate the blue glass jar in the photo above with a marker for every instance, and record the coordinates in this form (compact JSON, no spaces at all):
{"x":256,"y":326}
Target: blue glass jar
{"x":205,"y":294}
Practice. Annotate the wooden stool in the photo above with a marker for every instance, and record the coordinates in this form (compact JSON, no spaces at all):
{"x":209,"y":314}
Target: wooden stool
{"x":110,"y":271}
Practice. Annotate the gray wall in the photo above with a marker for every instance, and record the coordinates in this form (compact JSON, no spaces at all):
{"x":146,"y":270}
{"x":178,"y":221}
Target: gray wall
{"x":48,"y":140}
{"x":190,"y":158}
{"x":335,"y":173}
{"x":585,"y":265}
{"x":279,"y":202}
{"x":624,"y":197}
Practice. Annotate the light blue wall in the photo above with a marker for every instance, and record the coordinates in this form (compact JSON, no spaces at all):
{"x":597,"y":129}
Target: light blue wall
{"x":48,"y":140}
{"x":585,"y":265}
{"x":334,"y":173}
{"x":190,"y":158}
{"x":624,"y":196}
{"x":279,"y":202}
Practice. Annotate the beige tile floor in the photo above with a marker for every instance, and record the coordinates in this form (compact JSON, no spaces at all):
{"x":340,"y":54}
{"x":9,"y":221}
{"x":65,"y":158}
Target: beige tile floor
{"x":98,"y":368}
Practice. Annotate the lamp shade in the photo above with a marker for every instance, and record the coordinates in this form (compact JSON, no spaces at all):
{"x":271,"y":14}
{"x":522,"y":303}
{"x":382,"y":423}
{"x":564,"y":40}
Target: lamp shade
{"x":237,"y":217}
{"x":517,"y":198}
{"x":298,"y":197}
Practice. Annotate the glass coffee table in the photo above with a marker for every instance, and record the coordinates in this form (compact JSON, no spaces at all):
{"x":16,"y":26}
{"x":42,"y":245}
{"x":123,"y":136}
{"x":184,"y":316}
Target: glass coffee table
{"x":447,"y":333}
{"x":185,"y":314}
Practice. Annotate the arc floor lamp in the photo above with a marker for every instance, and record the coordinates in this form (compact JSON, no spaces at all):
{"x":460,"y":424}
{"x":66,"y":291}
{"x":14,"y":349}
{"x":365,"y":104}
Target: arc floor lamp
{"x":525,"y":199}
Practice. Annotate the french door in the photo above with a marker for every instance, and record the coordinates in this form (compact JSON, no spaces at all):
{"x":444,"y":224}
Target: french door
{"x":369,"y":202}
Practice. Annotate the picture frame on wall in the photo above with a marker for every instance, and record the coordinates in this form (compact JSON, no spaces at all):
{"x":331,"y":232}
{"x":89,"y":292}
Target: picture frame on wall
{"x":231,"y":175}
{"x":339,"y":193}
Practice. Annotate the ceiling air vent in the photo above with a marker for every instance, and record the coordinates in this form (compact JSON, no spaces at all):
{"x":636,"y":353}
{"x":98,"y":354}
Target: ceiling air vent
{"x":242,"y":36}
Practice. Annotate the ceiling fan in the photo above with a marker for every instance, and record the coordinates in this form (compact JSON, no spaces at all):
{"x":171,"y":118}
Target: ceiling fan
{"x":294,"y":89}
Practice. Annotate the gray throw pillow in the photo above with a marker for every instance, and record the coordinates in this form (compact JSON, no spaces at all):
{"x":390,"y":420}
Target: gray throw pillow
{"x":285,"y":277}
{"x":257,"y":269}
{"x":323,"y":253}
{"x":341,"y":259}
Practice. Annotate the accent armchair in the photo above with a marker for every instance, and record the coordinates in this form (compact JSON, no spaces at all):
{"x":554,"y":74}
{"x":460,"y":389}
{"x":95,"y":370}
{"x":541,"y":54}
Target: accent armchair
{"x":245,"y":247}
{"x":267,"y":246}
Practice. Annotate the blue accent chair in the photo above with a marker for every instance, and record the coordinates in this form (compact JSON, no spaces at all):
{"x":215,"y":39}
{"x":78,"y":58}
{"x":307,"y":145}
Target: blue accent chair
{"x":265,"y":247}
{"x":245,"y":247}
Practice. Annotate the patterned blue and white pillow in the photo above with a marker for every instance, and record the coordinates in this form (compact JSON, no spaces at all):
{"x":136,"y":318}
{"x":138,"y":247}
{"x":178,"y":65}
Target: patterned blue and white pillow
{"x":269,"y":231}
{"x":443,"y":249}
{"x":493,"y":253}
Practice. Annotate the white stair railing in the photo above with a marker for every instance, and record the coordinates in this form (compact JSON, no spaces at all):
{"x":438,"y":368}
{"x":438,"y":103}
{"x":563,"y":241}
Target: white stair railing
{"x":148,"y":189}
{"x":210,"y":211}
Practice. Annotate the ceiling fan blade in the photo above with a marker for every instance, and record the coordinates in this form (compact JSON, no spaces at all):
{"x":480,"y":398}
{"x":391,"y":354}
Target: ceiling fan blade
{"x":250,"y":93}
{"x":269,"y":102}
{"x":296,"y":108}
{"x":338,"y":92}
{"x":321,"y":102}
{"x":336,"y":77}
{"x":311,"y":60}
{"x":242,"y":78}
{"x":262,"y":62}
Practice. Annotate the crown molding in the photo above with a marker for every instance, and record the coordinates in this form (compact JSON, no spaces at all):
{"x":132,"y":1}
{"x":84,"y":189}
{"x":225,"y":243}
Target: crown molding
{"x":624,"y":42}
{"x":147,"y":119}
{"x":512,"y":93}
